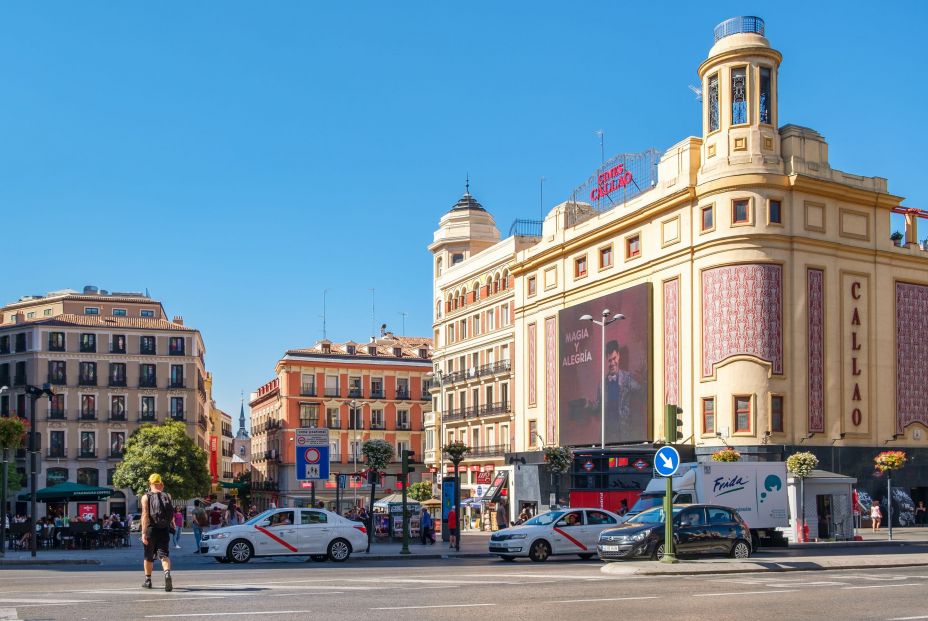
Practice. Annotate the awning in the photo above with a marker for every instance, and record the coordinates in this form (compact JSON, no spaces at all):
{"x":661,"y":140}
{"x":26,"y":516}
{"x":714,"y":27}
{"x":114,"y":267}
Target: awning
{"x":497,"y":487}
{"x":68,"y":492}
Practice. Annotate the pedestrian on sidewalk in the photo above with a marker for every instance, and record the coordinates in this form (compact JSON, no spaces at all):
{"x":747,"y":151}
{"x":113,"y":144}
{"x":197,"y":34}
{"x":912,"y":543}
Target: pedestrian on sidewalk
{"x":178,"y":526}
{"x":920,"y":513}
{"x":199,"y":522}
{"x":215,"y":518}
{"x":157,"y":525}
{"x":876,"y":515}
{"x":426,"y":527}
{"x":453,"y":528}
{"x":502,"y":515}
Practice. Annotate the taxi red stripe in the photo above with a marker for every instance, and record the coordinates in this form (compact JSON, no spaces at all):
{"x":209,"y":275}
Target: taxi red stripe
{"x":278,"y":539}
{"x":571,"y":539}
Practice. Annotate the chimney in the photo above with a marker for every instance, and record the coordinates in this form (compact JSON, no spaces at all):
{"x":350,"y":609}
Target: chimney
{"x":178,"y":320}
{"x":19,"y":317}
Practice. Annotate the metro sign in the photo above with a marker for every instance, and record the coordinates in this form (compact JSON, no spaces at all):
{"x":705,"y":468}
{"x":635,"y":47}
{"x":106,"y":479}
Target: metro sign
{"x":639,"y":464}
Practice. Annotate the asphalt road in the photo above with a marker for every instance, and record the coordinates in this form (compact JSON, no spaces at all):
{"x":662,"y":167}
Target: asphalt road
{"x":457,"y":589}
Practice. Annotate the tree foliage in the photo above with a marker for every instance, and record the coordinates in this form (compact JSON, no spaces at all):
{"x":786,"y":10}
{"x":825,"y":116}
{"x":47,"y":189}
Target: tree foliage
{"x":456,"y":451}
{"x":558,"y":459}
{"x":420,"y":491}
{"x":377,"y":454}
{"x":169,"y":451}
{"x":12,"y":432}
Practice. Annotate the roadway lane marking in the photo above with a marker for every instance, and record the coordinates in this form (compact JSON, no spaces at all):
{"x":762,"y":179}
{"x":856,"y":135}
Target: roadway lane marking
{"x":882,"y":586}
{"x":33,"y":600}
{"x":601,"y":599}
{"x":436,"y":606}
{"x":745,"y":593}
{"x":223,"y":614}
{"x":908,"y":618}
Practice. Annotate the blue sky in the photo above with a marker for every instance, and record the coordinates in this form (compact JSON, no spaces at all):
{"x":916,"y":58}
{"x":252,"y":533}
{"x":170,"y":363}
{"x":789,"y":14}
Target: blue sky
{"x":238,"y":158}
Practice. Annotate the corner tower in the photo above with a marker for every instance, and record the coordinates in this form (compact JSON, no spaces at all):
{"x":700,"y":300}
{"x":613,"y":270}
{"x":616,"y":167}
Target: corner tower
{"x":739,"y":111}
{"x":462,"y":232}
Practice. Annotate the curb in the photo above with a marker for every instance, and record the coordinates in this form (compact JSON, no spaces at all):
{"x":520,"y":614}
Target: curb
{"x":60,"y":561}
{"x":755,"y":570}
{"x":825,"y":545}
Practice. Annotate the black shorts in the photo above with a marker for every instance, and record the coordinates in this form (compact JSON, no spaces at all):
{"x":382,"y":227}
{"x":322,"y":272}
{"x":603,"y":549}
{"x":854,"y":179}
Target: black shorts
{"x":159,"y":543}
{"x":452,"y":532}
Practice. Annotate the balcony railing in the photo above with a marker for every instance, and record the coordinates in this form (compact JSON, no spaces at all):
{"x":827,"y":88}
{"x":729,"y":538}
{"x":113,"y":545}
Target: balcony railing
{"x":331,"y":392}
{"x":402,"y":393}
{"x":500,"y":407}
{"x":308,"y":390}
{"x":179,"y":416}
{"x":56,"y":414}
{"x":87,"y":381}
{"x":116,"y":454}
{"x":56,"y":453}
{"x":271,"y":455}
{"x":493,"y":450}
{"x":378,"y":426}
{"x":53,"y":347}
{"x":117,"y":415}
{"x":148,"y":417}
{"x":118,"y":350}
{"x":354,"y":393}
{"x":116,"y":382}
{"x":148,"y":382}
{"x":454,"y":415}
{"x":377,"y":394}
{"x":402,"y":426}
{"x":58,"y":380}
{"x":494,"y":367}
{"x":147,"y":351}
{"x":88,"y":415}
{"x":177,"y":384}
{"x":87,"y":455}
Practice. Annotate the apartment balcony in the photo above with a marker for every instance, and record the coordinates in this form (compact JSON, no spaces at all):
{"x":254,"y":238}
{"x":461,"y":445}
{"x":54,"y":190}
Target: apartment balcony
{"x":332,"y":393}
{"x":116,"y":382}
{"x":87,"y":381}
{"x":265,"y":486}
{"x":148,"y":382}
{"x":426,"y":396}
{"x":503,"y":366}
{"x":56,"y":414}
{"x":148,"y":351}
{"x":87,"y":455}
{"x":492,"y":450}
{"x":58,"y":380}
{"x":148,"y":417}
{"x":227,"y":475}
{"x":88,"y":349}
{"x":271,"y":455}
{"x":402,"y":393}
{"x":176,"y":351}
{"x":55,"y":347}
{"x":454,"y":415}
{"x":378,"y":426}
{"x":355,"y":393}
{"x":88,"y":415}
{"x":116,"y":454}
{"x":179,"y":415}
{"x":403,"y":426}
{"x":56,"y":453}
{"x":117,"y":350}
{"x":377,"y":394}
{"x":177,"y":384}
{"x":228,"y":434}
{"x":492,"y":409}
{"x":308,"y":390}
{"x":117,"y":415}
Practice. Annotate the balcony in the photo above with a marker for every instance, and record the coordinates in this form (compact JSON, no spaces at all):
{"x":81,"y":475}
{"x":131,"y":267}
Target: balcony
{"x":404,"y":426}
{"x":88,"y":415}
{"x":308,"y":390}
{"x":503,"y":366}
{"x":118,"y":350}
{"x":378,"y":426}
{"x":426,"y":396}
{"x":177,"y":384}
{"x":57,"y":414}
{"x":55,"y":347}
{"x":377,"y":394}
{"x":402,"y":393}
{"x":148,"y":382}
{"x":227,"y":475}
{"x":116,"y":454}
{"x":87,"y":455}
{"x":118,"y":415}
{"x":493,"y":450}
{"x":90,"y":348}
{"x":329,"y":392}
{"x":86,"y":380}
{"x":265,"y":486}
{"x":147,"y":417}
{"x":490,"y":409}
{"x":271,"y":455}
{"x":116,"y":382}
{"x":202,"y":421}
{"x":148,"y":351}
{"x":176,"y":351}
{"x":354,"y":393}
{"x":454,"y":415}
{"x":58,"y":380}
{"x":178,"y":415}
{"x":56,"y":453}
{"x":228,"y":434}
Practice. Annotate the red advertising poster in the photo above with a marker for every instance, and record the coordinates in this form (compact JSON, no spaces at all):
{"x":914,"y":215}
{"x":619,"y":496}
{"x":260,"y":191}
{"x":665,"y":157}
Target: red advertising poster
{"x":627,"y":371}
{"x":87,"y":511}
{"x":214,"y":458}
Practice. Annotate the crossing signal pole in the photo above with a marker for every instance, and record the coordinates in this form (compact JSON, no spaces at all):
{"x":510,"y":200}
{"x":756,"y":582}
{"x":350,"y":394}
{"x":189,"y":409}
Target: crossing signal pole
{"x":407,"y":456}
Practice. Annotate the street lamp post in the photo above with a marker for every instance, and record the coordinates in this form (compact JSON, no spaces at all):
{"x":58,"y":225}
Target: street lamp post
{"x":353,"y":404}
{"x":34,"y":393}
{"x":606,"y":320}
{"x":6,"y":456}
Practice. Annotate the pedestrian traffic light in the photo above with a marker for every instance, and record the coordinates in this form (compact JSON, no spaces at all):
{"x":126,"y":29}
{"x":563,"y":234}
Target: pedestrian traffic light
{"x":407,"y":459}
{"x":673,"y":423}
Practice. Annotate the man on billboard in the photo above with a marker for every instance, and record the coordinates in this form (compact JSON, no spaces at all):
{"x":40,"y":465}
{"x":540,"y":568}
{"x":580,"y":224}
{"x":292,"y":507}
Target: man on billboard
{"x":621,"y":386}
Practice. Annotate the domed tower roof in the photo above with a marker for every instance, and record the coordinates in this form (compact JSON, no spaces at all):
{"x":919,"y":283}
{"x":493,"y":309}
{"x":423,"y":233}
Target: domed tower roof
{"x":467,"y":201}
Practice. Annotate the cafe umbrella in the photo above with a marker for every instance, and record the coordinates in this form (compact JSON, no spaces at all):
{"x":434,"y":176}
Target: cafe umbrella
{"x":70,"y":492}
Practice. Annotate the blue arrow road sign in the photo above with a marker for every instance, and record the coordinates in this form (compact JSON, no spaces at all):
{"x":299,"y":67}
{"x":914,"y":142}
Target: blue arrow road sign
{"x":666,"y":461}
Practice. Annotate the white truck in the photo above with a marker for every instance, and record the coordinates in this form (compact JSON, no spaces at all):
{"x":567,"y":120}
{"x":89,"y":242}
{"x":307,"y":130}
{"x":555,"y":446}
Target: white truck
{"x":757,"y":490}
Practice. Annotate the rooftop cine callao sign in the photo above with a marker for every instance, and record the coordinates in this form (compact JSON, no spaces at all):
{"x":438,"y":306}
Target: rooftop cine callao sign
{"x":619,"y":179}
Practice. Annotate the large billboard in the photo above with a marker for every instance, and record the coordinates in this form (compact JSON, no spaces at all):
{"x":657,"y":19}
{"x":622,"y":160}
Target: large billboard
{"x":627,"y":369}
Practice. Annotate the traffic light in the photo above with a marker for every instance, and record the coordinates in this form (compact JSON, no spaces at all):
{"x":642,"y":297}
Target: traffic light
{"x":407,"y":459}
{"x":673,"y":423}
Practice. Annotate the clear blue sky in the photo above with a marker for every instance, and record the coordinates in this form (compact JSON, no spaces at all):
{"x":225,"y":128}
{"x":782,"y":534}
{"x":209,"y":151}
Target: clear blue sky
{"x":237,"y":158}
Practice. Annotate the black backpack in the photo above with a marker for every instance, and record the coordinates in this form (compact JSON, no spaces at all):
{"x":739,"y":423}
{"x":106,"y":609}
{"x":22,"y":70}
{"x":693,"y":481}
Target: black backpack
{"x":160,"y":510}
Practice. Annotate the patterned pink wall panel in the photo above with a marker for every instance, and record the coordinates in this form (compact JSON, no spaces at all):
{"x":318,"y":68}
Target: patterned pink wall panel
{"x":550,"y":378}
{"x":742,"y":314}
{"x":532,"y":365}
{"x":816,"y":297}
{"x":672,"y":342}
{"x":911,"y":355}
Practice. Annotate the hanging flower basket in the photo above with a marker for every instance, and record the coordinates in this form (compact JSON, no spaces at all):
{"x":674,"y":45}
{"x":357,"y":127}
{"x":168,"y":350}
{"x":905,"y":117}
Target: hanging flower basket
{"x":801,"y":465}
{"x":726,"y":454}
{"x":888,"y":461}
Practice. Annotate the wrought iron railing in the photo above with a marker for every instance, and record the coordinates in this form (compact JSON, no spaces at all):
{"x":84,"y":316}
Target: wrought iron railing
{"x":525,"y":228}
{"x":739,"y":25}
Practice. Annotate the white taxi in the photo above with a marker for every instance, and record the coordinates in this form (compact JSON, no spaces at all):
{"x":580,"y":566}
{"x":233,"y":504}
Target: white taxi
{"x":564,"y":531}
{"x":316,"y":533}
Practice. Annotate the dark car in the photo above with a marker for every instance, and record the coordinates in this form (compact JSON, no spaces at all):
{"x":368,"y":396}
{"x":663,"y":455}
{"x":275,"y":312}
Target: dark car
{"x":697,"y":529}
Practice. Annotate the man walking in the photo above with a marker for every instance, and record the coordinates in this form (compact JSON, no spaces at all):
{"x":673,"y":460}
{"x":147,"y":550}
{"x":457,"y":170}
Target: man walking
{"x":425,"y":527}
{"x":157,"y":525}
{"x":453,"y":528}
{"x":200,"y":521}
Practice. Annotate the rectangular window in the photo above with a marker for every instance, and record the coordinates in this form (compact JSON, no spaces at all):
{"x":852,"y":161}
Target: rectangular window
{"x":88,"y":407}
{"x":56,"y":341}
{"x":532,"y":432}
{"x":740,"y":212}
{"x":119,"y":312}
{"x":47,"y":312}
{"x":88,"y":444}
{"x":88,"y":374}
{"x":56,"y":408}
{"x":402,"y":388}
{"x":708,"y":415}
{"x":331,"y":386}
{"x":118,"y":345}
{"x":88,"y":343}
{"x":355,"y":448}
{"x":308,"y":385}
{"x":463,"y":328}
{"x":355,"y":418}
{"x":21,"y":342}
{"x":57,"y":372}
{"x":177,"y":408}
{"x":30,"y":315}
{"x":5,"y":344}
{"x":147,"y":345}
{"x":19,"y":375}
{"x":774,"y":212}
{"x":605,"y":257}
{"x":632,"y":246}
{"x":580,"y":267}
{"x":377,"y":419}
{"x":354,"y":386}
{"x":475,"y":438}
{"x":176,"y":346}
{"x":147,"y":409}
{"x":117,"y":374}
{"x":742,"y":414}
{"x":402,"y":419}
{"x":148,"y":376}
{"x":739,"y":96}
{"x":56,"y":444}
{"x":712,"y":98}
{"x":376,"y":388}
{"x":708,"y":218}
{"x":177,"y":376}
{"x":117,"y":443}
{"x":532,"y":285}
{"x":309,"y":415}
{"x":118,"y":407}
{"x":91,"y":310}
{"x":504,"y":315}
{"x":146,"y":313}
{"x":764,"y":95}
{"x":333,"y":418}
{"x":776,"y":413}
{"x":491,"y":320}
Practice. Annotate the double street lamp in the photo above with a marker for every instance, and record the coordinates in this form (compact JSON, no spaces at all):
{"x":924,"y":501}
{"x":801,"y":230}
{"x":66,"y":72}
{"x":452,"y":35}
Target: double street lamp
{"x":606,"y":320}
{"x":35,"y":393}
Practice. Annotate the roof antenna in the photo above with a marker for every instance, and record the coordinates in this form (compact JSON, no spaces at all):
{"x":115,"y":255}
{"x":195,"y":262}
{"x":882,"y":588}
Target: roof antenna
{"x":602,"y":146}
{"x":403,"y":313}
{"x":467,"y":183}
{"x":373,"y":313}
{"x":541,"y":198}
{"x":324,"y":291}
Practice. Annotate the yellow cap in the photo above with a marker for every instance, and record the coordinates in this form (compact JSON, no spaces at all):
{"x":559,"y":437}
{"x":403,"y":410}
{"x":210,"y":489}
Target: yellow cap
{"x":155,"y":479}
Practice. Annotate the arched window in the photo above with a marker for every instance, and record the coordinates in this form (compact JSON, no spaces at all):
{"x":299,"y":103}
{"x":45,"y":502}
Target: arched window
{"x":476,"y":288}
{"x":438,"y":266}
{"x":505,"y":279}
{"x":496,"y":284}
{"x":438,"y":309}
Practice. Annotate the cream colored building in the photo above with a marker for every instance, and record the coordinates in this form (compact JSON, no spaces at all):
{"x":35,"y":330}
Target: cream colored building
{"x":781,"y":316}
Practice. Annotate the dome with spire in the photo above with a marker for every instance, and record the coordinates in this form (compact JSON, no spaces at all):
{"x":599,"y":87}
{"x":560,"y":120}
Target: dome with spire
{"x":467,"y":201}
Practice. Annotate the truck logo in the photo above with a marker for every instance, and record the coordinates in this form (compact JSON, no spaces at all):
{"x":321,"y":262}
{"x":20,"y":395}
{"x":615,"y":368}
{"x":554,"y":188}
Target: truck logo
{"x":772,"y":482}
{"x":727,"y":486}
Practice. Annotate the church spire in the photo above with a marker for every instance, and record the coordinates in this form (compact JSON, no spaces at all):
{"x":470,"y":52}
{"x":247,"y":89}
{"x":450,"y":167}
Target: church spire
{"x":241,"y":420}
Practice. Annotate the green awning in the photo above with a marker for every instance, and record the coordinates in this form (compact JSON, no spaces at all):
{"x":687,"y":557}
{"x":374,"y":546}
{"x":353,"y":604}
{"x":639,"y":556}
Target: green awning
{"x":233,"y":485}
{"x":69,"y":492}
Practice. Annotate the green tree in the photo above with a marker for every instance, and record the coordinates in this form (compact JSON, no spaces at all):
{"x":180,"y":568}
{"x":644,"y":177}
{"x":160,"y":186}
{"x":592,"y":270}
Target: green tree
{"x":421,"y":491}
{"x":12,"y":437}
{"x":558,"y":459}
{"x":169,"y":451}
{"x":377,"y":455}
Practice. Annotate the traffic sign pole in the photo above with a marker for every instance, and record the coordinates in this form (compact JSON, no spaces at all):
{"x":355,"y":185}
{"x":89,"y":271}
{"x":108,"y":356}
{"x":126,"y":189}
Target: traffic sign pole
{"x":666,"y":461}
